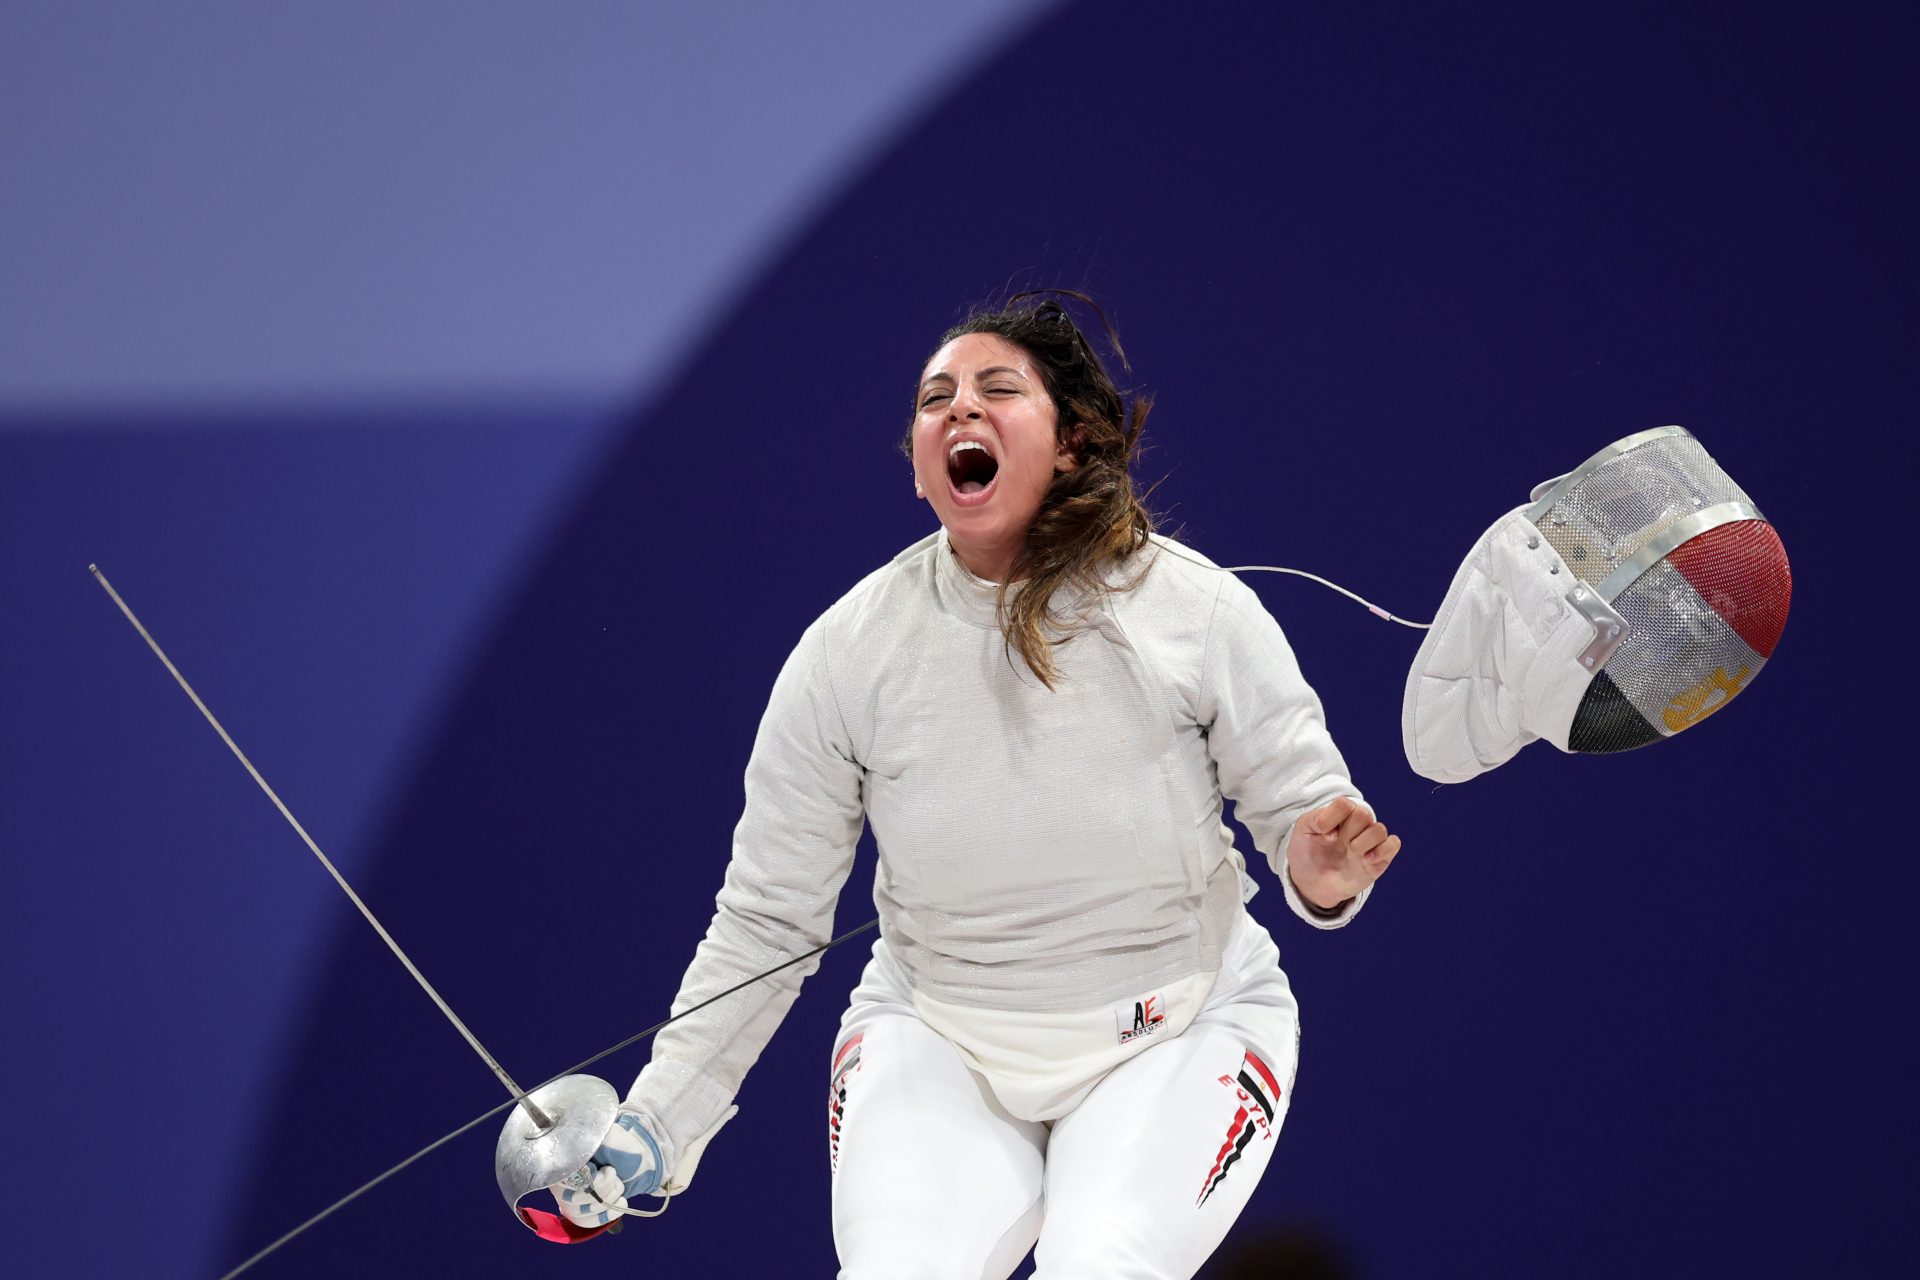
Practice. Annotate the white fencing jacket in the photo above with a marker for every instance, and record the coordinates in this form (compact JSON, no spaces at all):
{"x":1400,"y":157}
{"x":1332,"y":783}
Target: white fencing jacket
{"x":1041,"y":852}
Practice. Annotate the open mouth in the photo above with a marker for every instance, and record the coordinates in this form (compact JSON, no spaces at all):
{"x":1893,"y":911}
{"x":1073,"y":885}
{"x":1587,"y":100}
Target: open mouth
{"x":970,"y":467}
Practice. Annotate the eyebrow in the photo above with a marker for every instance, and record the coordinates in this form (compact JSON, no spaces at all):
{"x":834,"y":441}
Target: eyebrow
{"x":987,"y":372}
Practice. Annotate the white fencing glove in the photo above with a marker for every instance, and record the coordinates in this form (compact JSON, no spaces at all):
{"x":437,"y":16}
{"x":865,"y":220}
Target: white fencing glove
{"x":628,"y":1162}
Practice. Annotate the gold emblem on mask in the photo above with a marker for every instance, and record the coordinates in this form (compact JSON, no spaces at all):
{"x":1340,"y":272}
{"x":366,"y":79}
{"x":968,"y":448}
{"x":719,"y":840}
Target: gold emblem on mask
{"x":1705,"y":698}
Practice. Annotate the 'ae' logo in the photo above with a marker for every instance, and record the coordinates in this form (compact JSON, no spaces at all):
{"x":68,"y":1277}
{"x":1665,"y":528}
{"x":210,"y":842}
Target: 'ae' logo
{"x":1147,"y":1018}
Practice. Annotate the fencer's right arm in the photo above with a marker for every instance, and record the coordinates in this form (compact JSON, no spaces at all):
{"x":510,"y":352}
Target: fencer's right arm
{"x":792,"y":851}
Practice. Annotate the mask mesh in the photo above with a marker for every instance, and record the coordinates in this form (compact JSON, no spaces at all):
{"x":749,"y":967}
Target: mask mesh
{"x":1607,"y":516}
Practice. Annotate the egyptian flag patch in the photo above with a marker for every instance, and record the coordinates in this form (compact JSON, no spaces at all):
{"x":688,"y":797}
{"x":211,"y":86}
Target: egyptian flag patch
{"x":1257,"y":1093}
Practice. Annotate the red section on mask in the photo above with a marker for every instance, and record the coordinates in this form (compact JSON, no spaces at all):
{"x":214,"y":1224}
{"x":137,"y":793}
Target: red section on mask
{"x":1741,"y":570}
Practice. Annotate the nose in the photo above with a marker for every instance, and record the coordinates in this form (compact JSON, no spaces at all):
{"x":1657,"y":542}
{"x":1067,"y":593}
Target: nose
{"x":965,"y":405}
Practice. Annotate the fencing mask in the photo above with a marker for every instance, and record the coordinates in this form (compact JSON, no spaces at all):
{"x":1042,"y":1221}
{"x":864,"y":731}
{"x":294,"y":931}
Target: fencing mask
{"x":1633,"y":598}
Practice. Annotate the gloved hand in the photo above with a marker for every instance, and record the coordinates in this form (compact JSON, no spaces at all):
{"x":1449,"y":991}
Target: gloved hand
{"x":627,"y":1163}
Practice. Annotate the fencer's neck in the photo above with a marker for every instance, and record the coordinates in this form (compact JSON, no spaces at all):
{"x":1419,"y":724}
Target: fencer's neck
{"x":989,"y":564}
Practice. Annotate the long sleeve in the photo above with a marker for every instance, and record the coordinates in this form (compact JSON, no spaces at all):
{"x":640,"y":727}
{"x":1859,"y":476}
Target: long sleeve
{"x":1267,"y":735}
{"x":792,"y":851}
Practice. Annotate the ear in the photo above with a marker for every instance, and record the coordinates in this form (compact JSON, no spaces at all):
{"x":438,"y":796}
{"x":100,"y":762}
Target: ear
{"x":1066,"y":451}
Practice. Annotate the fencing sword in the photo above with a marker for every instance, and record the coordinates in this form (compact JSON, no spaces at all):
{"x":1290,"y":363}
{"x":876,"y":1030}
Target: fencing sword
{"x":560,"y":1122}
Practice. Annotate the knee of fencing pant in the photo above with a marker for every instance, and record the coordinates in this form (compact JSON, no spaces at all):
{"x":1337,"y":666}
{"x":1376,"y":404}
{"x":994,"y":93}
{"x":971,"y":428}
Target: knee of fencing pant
{"x":906,"y":1258}
{"x":930,"y":1253}
{"x":1096,"y":1253}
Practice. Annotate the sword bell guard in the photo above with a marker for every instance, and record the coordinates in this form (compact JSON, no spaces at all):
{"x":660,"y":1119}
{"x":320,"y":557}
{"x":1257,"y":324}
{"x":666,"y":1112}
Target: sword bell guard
{"x":528,"y":1158}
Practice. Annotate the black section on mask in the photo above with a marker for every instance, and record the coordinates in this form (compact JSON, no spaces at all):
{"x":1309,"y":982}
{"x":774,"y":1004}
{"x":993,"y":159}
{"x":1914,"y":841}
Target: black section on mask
{"x":1606,"y":722}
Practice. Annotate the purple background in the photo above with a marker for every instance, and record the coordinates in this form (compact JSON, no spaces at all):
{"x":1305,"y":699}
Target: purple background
{"x":478,"y":401}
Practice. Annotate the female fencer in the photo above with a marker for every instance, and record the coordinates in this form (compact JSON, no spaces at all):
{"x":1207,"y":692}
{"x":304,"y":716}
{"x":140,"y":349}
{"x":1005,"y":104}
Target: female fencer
{"x":1072,"y":1036}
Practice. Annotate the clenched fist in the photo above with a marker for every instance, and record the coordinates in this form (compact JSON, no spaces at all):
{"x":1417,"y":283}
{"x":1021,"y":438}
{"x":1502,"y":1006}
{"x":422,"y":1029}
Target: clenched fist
{"x":1336,"y":851}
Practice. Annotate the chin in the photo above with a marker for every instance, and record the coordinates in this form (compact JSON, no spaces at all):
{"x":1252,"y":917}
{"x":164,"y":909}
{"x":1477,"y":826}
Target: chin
{"x":977,"y":524}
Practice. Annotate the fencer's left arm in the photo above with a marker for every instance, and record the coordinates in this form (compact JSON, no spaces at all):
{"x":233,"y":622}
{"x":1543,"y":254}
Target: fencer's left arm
{"x":1336,"y":852}
{"x":1267,"y":735}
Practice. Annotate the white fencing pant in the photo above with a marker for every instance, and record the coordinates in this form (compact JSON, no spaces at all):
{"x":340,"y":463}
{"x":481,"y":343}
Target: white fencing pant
{"x":934,"y":1180}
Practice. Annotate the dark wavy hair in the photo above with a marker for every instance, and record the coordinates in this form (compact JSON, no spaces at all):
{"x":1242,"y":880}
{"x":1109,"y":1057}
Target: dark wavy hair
{"x":1092,"y":517}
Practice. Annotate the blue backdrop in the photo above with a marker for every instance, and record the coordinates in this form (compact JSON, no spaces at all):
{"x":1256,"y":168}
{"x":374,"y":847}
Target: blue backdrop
{"x":481,"y":452}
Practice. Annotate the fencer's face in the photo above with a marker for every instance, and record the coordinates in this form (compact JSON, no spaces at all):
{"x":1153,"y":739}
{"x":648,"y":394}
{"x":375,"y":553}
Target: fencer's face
{"x":985,"y":447}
